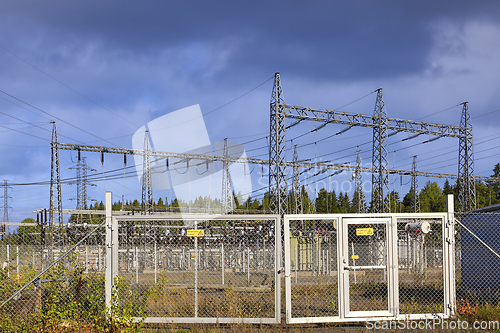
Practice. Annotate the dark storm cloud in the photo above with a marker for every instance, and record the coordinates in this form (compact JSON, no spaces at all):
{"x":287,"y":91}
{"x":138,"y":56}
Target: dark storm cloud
{"x":341,"y":40}
{"x":143,"y":59}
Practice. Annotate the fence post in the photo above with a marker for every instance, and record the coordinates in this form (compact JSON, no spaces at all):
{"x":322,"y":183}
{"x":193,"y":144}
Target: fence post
{"x":111,"y":252}
{"x":196,"y":272}
{"x":278,"y":262}
{"x":449,"y":258}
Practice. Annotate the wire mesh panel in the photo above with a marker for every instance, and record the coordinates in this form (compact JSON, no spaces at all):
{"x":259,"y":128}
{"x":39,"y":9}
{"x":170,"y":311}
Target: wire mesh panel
{"x":52,"y":275}
{"x":313,"y":267}
{"x":199,"y":268}
{"x":420,"y":265}
{"x":477,"y":255}
{"x":367,"y":265}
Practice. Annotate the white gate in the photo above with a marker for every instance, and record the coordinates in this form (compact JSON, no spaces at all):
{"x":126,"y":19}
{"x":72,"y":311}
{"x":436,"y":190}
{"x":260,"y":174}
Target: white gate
{"x":361,"y":267}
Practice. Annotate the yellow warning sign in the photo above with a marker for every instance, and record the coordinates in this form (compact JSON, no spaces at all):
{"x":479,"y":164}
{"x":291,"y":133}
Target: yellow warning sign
{"x":195,"y":233}
{"x":354,"y":256}
{"x":364,"y":232}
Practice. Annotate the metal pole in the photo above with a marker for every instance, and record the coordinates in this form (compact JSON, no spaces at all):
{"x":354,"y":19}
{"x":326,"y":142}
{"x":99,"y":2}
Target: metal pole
{"x":328,"y":263}
{"x":111,"y":251}
{"x":156,"y":264}
{"x":86,"y":259}
{"x":8,"y":260}
{"x":17,"y":261}
{"x":296,"y":263}
{"x":136,"y":266}
{"x":196,"y":272}
{"x":248,"y":266}
{"x":353,"y":261}
{"x":323,"y":266}
{"x":425,"y":262}
{"x":414,"y":255}
{"x":408,"y":252}
{"x":263,"y":256}
{"x":449,"y":259}
{"x":222,"y":260}
{"x":422,"y":248}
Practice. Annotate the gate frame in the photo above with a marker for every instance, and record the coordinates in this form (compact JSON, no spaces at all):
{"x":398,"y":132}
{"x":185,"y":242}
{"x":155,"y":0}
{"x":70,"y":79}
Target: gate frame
{"x":448,"y":243}
{"x":392,"y":274}
{"x":112,"y":263}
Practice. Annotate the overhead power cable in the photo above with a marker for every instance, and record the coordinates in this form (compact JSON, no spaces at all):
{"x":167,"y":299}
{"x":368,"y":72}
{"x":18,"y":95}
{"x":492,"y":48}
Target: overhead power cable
{"x":32,"y":124}
{"x":35,"y":136}
{"x":65,"y":85}
{"x":67,"y":123}
{"x":432,"y":114}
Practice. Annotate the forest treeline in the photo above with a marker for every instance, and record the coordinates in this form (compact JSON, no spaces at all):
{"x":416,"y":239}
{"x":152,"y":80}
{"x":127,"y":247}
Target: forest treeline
{"x":432,"y":199}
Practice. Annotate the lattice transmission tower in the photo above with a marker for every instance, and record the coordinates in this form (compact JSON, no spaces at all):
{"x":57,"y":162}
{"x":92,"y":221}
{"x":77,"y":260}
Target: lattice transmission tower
{"x":82,"y":183}
{"x":227,"y":192}
{"x":466,"y":181}
{"x":147,"y":186}
{"x":6,"y":207}
{"x":278,"y":188}
{"x":380,"y":176}
{"x":55,"y":205}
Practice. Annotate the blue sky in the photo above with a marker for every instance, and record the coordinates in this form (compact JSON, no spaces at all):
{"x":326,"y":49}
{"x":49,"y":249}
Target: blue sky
{"x":102,"y":70}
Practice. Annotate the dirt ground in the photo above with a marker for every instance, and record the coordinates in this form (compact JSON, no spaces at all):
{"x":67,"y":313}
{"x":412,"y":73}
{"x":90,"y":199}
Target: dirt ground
{"x":179,"y":328}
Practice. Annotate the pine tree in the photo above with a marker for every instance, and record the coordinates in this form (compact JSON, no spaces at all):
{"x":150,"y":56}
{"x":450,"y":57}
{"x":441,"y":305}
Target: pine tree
{"x":494,"y":186}
{"x":447,"y":188}
{"x":321,"y":201}
{"x":432,"y":198}
{"x":333,"y":203}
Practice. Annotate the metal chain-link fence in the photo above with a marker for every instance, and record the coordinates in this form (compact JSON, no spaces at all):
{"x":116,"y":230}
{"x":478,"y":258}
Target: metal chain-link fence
{"x":420,"y":265}
{"x":224,"y":269}
{"x":52,"y":275}
{"x":313,"y":267}
{"x":477,"y":258}
{"x":367,"y":251}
